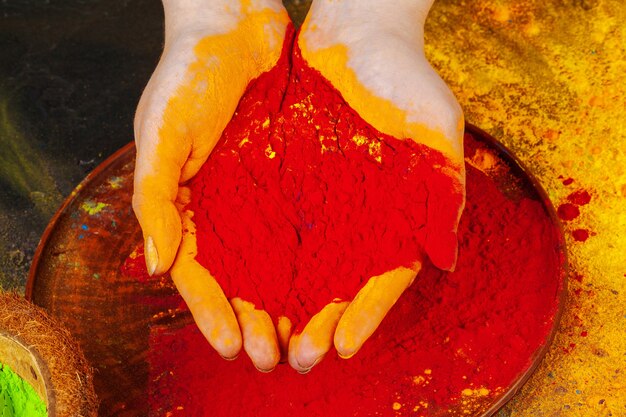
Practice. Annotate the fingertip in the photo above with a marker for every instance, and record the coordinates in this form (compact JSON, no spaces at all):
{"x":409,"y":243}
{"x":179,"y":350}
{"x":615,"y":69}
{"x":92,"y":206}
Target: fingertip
{"x":345,"y":347}
{"x":309,"y":352}
{"x":294,"y":342}
{"x":229,"y":344}
{"x":308,"y":348}
{"x":259,"y":335}
{"x":219,"y":326}
{"x":161,"y":224}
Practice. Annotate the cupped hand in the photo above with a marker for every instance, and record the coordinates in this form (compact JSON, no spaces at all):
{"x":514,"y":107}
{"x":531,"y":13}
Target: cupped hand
{"x":373,"y":53}
{"x":212,"y":50}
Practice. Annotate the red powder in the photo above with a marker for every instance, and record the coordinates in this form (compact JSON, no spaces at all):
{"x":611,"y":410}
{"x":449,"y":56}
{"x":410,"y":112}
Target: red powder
{"x":313,"y":201}
{"x":580,"y":197}
{"x":454,"y":341}
{"x":568,"y":181}
{"x":580,"y":235}
{"x":477,"y":327}
{"x":568,"y":211}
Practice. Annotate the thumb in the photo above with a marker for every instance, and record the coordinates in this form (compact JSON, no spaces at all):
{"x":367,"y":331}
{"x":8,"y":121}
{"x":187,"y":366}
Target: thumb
{"x":157,"y":173}
{"x":161,"y":225}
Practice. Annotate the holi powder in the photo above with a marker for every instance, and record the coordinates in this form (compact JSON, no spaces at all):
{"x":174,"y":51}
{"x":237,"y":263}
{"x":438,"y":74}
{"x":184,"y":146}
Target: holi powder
{"x":571,"y":210}
{"x":17,"y":397}
{"x":300,"y":202}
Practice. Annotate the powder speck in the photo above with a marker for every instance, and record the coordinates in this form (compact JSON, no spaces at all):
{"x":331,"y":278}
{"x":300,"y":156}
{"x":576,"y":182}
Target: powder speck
{"x":580,"y":197}
{"x":568,"y":211}
{"x":580,"y":235}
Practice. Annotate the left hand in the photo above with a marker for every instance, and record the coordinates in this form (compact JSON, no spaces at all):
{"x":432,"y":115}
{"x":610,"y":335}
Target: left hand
{"x":213,"y":49}
{"x":373,"y":53}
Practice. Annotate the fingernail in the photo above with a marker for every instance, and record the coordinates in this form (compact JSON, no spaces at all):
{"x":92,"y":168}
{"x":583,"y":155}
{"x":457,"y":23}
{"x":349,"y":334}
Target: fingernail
{"x":345,"y":352}
{"x":306,"y":369}
{"x":230,"y":358}
{"x":265,"y":371}
{"x":152,"y":256}
{"x":346,"y":356}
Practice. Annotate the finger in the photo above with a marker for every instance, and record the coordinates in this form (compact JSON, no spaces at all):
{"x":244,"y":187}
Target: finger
{"x":157,"y":172}
{"x":259,"y":336}
{"x":210,"y":309}
{"x":369,"y":307}
{"x":283,"y":331}
{"x":309,"y":347}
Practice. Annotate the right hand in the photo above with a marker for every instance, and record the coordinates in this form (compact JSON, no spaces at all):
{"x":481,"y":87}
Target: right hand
{"x":372,"y":52}
{"x":213,"y":49}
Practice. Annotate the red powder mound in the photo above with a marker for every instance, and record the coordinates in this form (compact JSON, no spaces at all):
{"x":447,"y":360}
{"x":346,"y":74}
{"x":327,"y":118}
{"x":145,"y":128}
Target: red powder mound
{"x":304,"y":211}
{"x":302,"y":201}
{"x":454,"y":341}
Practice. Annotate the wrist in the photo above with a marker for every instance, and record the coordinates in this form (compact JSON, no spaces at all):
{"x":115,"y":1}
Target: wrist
{"x":200,"y":18}
{"x":348,"y":21}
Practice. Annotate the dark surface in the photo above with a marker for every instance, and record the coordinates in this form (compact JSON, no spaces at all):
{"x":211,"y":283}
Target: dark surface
{"x":71,"y":74}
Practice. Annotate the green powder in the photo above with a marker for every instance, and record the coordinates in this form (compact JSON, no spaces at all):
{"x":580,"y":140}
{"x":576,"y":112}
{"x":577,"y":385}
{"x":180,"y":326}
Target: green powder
{"x":17,"y":397}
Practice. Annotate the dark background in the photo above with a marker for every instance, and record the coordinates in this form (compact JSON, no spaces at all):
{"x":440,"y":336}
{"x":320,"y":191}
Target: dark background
{"x":71,"y":74}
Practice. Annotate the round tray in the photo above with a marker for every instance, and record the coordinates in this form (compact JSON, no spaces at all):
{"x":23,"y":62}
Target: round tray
{"x":76,"y":276}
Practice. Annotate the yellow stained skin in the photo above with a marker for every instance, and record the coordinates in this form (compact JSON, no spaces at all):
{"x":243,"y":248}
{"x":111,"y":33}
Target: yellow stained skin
{"x":204,"y":297}
{"x":364,"y":314}
{"x":309,"y":347}
{"x":283,"y":331}
{"x":369,"y":308}
{"x":381,"y":113}
{"x":259,"y":336}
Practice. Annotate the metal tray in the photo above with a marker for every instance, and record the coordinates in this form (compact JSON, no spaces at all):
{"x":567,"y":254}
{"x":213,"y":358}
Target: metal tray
{"x":76,"y":276}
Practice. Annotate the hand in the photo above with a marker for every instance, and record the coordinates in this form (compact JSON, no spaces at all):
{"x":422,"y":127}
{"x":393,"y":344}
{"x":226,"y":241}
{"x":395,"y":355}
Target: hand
{"x":212,"y":51}
{"x":373,"y":53}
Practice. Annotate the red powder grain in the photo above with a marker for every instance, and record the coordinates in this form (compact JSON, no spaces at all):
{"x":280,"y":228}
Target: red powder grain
{"x":454,"y":341}
{"x":580,"y":197}
{"x":580,"y":235}
{"x":568,"y":181}
{"x":568,"y":211}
